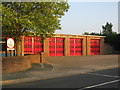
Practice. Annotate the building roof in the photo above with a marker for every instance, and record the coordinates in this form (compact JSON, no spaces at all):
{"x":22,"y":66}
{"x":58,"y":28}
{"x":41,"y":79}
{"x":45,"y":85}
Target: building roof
{"x":79,"y":35}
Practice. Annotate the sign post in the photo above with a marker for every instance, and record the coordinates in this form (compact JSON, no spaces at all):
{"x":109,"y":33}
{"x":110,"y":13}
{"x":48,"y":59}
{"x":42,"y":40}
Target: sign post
{"x":10,"y":45}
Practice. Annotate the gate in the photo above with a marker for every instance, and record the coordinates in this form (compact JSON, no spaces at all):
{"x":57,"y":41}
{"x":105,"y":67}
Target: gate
{"x":32,"y":45}
{"x":75,"y":46}
{"x":56,"y":46}
{"x":94,"y":46}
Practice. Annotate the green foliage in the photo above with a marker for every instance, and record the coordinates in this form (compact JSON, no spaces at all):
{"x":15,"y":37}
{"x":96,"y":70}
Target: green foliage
{"x":107,"y":29}
{"x":93,"y":33}
{"x":32,"y":18}
{"x":86,"y":33}
{"x":113,"y":40}
{"x":111,"y":37}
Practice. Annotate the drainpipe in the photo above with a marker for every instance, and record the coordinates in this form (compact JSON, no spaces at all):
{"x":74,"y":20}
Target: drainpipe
{"x":86,"y":45}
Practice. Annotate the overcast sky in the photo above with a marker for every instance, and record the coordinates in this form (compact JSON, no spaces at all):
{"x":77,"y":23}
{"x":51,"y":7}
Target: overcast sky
{"x":89,"y":16}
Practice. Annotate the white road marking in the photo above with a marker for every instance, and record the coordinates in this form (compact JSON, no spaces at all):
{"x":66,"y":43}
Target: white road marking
{"x":100,"y":84}
{"x":103,"y":75}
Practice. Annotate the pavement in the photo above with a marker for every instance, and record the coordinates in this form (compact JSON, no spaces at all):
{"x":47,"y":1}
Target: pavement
{"x":60,"y":66}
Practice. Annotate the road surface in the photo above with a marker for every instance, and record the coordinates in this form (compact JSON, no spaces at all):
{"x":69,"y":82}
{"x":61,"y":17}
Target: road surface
{"x":100,"y":79}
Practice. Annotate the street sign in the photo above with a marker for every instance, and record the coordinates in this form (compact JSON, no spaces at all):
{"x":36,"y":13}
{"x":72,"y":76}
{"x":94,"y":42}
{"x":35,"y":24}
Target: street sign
{"x":10,"y":44}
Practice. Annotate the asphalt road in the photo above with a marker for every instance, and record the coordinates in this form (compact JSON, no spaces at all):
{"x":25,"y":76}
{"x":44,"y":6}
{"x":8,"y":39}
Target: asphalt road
{"x":100,"y":79}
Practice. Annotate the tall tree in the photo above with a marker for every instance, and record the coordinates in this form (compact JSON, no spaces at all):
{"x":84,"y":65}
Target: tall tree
{"x":36,"y":18}
{"x":107,"y":29}
{"x":40,"y":18}
{"x":111,"y":37}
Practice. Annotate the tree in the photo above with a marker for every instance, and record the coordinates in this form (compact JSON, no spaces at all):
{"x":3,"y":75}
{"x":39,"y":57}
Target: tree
{"x":86,"y":33}
{"x":107,"y":29}
{"x":40,"y":18}
{"x":111,"y":37}
{"x":32,"y":18}
{"x":92,"y":33}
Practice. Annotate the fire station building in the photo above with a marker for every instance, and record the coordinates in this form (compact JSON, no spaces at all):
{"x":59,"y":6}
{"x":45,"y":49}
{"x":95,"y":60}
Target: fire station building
{"x":64,"y":45}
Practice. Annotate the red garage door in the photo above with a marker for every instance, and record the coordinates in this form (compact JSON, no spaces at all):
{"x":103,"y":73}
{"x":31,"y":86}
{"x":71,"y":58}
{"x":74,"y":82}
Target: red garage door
{"x":56,"y":46}
{"x":33,"y":45}
{"x":75,"y":46}
{"x":38,"y":45}
{"x":28,"y":45}
{"x":94,"y":46}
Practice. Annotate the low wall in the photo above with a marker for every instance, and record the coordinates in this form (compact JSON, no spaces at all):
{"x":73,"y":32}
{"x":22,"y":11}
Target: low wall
{"x":108,"y":49}
{"x":20,"y":63}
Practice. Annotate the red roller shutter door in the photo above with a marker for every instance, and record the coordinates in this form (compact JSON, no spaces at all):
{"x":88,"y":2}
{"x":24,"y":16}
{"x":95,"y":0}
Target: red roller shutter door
{"x":75,"y":46}
{"x":38,"y":45}
{"x":94,"y":46}
{"x":52,"y":49}
{"x":28,"y":45}
{"x":33,"y":45}
{"x":56,"y":46}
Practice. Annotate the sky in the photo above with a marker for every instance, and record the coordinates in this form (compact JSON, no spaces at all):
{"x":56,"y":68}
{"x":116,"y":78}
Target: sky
{"x":89,"y":16}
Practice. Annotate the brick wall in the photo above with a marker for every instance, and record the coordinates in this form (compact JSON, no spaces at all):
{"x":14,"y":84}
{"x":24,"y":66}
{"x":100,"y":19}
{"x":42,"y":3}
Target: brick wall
{"x":20,"y":63}
{"x":108,"y":49}
{"x":102,"y":46}
{"x":67,"y":46}
{"x":84,"y":47}
{"x":46,"y":47}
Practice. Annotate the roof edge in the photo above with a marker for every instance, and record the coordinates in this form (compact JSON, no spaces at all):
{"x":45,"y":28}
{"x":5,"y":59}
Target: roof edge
{"x":82,"y":35}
